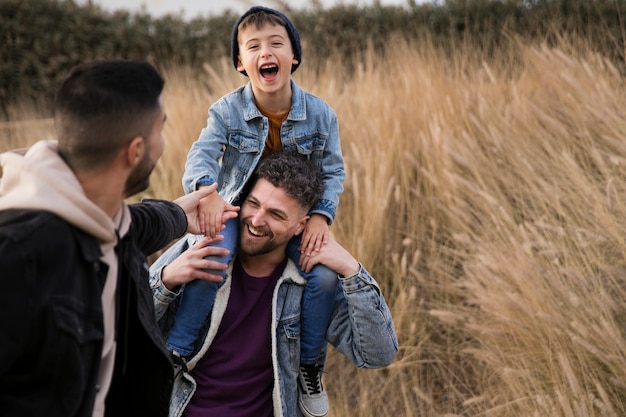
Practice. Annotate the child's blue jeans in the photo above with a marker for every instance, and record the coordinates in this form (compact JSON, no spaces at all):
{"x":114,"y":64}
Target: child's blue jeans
{"x":199,"y":295}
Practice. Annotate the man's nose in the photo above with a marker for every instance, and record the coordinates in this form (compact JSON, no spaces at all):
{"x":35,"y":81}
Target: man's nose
{"x":257,"y":217}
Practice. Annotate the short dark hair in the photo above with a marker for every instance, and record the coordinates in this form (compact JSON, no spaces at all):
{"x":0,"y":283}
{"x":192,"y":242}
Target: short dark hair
{"x":102,"y":105}
{"x":295,"y":174}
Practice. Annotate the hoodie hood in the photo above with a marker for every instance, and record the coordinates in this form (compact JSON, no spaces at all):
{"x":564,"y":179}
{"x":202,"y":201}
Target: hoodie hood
{"x":41,"y":180}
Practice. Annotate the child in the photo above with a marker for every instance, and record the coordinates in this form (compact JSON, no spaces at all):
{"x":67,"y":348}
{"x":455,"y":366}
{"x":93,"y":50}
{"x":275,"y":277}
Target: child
{"x":269,"y":114}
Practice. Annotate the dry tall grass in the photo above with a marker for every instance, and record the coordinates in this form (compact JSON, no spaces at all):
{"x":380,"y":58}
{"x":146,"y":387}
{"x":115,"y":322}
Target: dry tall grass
{"x":488,"y":199}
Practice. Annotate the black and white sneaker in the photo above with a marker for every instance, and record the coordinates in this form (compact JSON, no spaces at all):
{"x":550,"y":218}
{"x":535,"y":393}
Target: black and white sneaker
{"x":312,"y":398}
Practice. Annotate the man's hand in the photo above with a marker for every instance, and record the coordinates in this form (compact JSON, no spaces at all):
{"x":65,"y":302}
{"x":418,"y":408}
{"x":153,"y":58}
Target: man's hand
{"x":334,"y":256}
{"x":191,"y":264}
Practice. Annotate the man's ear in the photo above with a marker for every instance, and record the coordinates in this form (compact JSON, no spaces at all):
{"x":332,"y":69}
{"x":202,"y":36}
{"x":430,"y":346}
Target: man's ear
{"x":135,"y":150}
{"x":302,"y":224}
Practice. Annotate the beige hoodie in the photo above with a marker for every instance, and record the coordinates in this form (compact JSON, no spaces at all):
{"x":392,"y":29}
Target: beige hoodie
{"x":40,"y":179}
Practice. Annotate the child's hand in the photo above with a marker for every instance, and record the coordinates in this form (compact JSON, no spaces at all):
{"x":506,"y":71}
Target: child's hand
{"x":333,"y":256}
{"x":214,"y":211}
{"x":315,"y":235}
{"x":190,"y":203}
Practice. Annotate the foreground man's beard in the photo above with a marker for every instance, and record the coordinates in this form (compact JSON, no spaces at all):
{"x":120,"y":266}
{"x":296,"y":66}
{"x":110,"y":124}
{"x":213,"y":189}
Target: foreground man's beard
{"x":139,"y":179}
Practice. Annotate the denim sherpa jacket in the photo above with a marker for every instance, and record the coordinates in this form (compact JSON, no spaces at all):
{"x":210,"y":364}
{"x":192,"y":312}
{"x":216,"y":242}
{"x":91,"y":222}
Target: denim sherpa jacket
{"x":230,"y":146}
{"x":361,"y":329}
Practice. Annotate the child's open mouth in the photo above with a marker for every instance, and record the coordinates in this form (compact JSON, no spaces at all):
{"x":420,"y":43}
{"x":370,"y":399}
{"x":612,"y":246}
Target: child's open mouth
{"x":269,"y":70}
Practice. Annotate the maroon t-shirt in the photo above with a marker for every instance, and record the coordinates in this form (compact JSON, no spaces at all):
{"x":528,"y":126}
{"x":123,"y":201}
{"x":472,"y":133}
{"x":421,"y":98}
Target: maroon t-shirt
{"x":235,"y":376}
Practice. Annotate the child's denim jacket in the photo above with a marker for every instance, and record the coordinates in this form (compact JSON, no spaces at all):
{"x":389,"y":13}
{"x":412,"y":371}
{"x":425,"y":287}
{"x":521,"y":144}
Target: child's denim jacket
{"x":361,"y":328}
{"x":230,"y":146}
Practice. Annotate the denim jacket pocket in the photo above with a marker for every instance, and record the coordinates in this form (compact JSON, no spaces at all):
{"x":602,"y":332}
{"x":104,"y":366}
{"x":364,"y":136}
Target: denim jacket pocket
{"x":244,"y":143}
{"x":311,"y":146}
{"x":289,"y":339}
{"x":239,"y":160}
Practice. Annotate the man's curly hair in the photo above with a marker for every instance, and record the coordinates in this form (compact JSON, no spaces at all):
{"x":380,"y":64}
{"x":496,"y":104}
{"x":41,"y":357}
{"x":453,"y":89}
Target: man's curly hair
{"x":295,"y":174}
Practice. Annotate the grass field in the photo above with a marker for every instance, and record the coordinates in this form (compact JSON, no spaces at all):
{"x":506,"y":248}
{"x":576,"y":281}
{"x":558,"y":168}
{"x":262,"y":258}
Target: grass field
{"x":487,"y":197}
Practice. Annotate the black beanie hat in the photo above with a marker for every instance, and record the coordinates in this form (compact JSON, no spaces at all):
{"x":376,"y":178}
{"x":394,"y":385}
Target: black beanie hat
{"x":294,"y":37}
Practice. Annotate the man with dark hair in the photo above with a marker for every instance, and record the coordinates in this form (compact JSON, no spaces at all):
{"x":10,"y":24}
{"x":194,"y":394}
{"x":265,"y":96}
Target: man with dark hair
{"x":247,"y":359}
{"x":77,"y":330}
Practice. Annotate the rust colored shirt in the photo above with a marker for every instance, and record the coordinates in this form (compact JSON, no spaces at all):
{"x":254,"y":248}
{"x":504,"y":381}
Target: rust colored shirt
{"x":273,"y":142}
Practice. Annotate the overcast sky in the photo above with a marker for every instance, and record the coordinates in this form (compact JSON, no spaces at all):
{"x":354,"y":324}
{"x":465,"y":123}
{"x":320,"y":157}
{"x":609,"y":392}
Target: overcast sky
{"x":193,"y":8}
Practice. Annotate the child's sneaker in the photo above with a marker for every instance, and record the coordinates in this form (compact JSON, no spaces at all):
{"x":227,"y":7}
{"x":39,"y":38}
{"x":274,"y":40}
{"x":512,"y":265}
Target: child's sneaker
{"x":311,"y":395}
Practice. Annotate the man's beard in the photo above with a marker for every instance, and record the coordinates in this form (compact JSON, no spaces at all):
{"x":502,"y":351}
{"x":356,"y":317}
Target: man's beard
{"x":251,"y":248}
{"x":139,"y":179}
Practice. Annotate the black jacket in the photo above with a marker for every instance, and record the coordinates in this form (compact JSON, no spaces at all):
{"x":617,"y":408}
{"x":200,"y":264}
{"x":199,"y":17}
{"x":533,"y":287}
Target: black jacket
{"x":51,"y":321}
